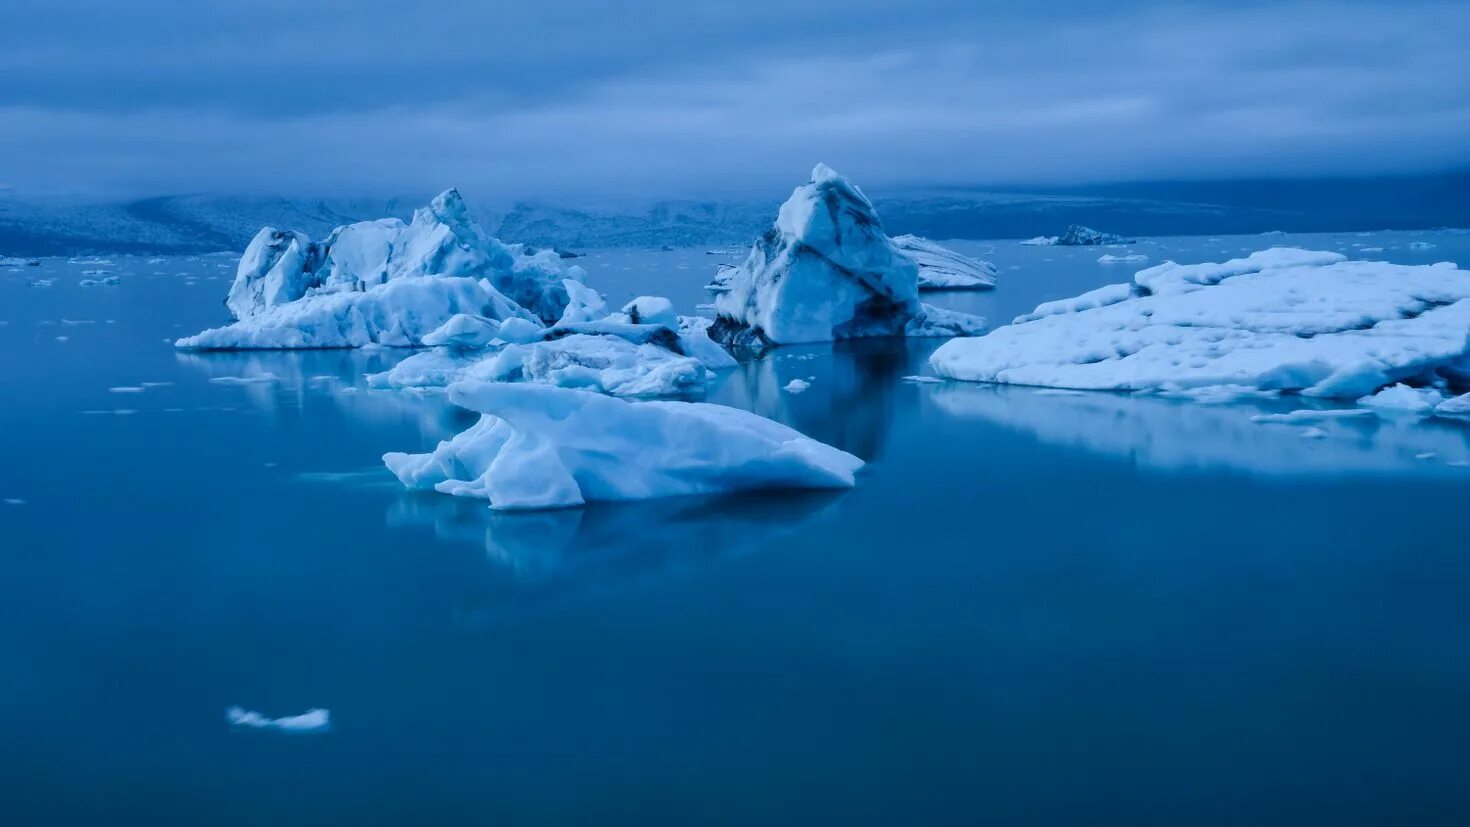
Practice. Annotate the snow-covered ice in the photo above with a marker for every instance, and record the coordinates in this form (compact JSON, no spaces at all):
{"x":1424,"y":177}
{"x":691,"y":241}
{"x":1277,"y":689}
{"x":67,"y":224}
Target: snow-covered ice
{"x":312,"y":720}
{"x":1283,"y":319}
{"x":824,"y":271}
{"x":398,"y":313}
{"x":661,"y":354}
{"x":1109,"y":258}
{"x":544,"y":447}
{"x":941,"y":268}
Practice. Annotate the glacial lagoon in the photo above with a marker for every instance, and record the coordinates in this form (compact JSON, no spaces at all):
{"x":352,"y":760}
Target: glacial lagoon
{"x":1033,"y":604}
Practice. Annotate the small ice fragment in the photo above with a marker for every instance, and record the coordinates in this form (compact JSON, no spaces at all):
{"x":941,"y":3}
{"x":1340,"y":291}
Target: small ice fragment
{"x":127,"y":389}
{"x":917,"y":379}
{"x":1313,"y":433}
{"x":14,"y":501}
{"x":245,"y":380}
{"x":312,"y":720}
{"x":796,"y":386}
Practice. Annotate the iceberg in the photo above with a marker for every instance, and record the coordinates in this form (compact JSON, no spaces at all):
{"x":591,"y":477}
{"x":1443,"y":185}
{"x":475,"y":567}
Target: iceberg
{"x":286,"y":269}
{"x":1283,"y":319}
{"x":941,"y":268}
{"x":540,"y":447}
{"x":824,"y":271}
{"x":1077,"y":236}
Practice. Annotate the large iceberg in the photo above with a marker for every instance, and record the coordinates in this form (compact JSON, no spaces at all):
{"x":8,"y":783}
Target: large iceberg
{"x":543,"y":447}
{"x":284,"y":269}
{"x":824,"y":271}
{"x":941,"y":268}
{"x":1283,"y":319}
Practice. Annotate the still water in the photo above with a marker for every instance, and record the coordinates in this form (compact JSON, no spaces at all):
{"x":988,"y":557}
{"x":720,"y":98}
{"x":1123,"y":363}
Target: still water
{"x":1034,"y":608}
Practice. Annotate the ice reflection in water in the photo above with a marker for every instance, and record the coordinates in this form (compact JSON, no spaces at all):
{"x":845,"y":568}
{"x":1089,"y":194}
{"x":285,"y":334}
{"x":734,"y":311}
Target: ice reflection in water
{"x":1175,"y":434}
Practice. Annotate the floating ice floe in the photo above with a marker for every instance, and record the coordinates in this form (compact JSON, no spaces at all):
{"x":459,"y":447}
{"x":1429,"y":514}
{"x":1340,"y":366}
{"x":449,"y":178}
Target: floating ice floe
{"x":796,"y":386}
{"x":1283,"y":319}
{"x":313,"y":720}
{"x":384,"y":282}
{"x":824,"y":271}
{"x":1420,"y":246}
{"x":1108,"y":258}
{"x":643,"y":350}
{"x":941,"y":268}
{"x":537,"y":446}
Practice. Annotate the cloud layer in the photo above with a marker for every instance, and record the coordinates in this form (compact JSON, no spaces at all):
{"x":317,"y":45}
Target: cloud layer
{"x":567,"y":98}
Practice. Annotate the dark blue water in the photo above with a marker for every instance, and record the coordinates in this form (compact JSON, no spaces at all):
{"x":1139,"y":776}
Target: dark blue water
{"x":1032,"y":609}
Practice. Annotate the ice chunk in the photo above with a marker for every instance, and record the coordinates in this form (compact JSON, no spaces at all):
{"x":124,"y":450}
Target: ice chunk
{"x":796,"y":386}
{"x":941,"y":268}
{"x":399,"y":313}
{"x":1108,"y":258}
{"x":1401,"y":397}
{"x":464,"y":331}
{"x":583,"y":304}
{"x":651,"y":310}
{"x":824,"y":271}
{"x":606,"y":364}
{"x":610,"y":355}
{"x":1458,"y":406}
{"x":1281,"y":319}
{"x":312,"y":720}
{"x":936,"y":322}
{"x":543,"y":447}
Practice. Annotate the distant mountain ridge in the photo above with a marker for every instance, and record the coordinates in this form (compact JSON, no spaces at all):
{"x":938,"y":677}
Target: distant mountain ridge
{"x":71,"y":225}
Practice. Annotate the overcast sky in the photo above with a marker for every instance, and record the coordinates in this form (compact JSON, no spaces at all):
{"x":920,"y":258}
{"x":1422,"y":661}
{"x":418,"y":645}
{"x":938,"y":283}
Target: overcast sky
{"x":556,"y":98}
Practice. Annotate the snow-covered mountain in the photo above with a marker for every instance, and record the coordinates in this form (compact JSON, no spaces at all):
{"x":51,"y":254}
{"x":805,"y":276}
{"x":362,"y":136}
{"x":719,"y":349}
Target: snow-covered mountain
{"x":71,"y":224}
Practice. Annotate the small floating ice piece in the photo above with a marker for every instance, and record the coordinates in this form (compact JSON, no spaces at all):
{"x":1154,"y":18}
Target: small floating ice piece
{"x":796,"y":386}
{"x":1401,"y":397}
{"x":1109,"y":258}
{"x":312,"y":720}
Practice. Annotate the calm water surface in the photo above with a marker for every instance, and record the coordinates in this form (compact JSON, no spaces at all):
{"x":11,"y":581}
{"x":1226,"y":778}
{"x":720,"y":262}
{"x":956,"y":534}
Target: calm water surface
{"x":1034,"y":608}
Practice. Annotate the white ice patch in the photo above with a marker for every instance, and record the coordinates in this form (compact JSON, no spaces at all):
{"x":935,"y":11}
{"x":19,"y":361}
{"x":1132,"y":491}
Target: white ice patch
{"x":796,"y":386}
{"x":313,"y":720}
{"x":545,"y":447}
